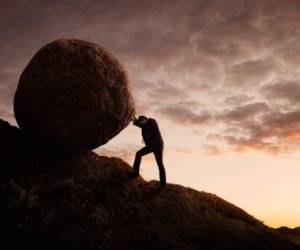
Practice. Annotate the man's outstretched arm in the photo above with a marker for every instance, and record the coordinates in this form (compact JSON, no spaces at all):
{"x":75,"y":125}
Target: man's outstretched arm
{"x":137,"y":123}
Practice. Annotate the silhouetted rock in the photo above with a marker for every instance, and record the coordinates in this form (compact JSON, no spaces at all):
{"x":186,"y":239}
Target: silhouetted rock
{"x":73,"y":95}
{"x":55,"y":201}
{"x":291,"y":233}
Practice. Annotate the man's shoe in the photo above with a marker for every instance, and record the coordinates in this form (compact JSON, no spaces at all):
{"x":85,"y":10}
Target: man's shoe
{"x":163,"y":184}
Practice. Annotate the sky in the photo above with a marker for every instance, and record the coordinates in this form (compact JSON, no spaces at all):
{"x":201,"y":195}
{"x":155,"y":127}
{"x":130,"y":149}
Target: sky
{"x":221,"y":77}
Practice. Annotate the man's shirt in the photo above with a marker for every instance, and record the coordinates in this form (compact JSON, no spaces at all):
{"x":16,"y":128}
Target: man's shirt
{"x":151,"y":133}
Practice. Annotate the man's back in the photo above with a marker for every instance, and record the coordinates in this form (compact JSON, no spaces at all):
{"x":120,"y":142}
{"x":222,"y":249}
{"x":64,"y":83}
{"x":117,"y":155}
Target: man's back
{"x":151,"y":134}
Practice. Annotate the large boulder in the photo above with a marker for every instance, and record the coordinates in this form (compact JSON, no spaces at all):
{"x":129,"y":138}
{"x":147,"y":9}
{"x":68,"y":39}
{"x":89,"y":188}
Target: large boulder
{"x":73,"y":95}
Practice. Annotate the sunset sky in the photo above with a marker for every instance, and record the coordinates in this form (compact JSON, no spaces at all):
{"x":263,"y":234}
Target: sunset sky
{"x":221,"y":77}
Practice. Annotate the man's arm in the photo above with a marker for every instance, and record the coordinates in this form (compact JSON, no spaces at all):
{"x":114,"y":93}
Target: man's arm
{"x":137,"y":123}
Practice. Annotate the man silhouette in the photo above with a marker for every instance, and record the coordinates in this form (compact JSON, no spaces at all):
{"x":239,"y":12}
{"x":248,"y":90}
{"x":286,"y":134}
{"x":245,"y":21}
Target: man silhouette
{"x":153,"y":144}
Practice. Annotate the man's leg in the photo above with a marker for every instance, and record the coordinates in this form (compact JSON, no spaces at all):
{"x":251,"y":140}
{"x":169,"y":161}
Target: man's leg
{"x":159,"y":160}
{"x":138,"y":158}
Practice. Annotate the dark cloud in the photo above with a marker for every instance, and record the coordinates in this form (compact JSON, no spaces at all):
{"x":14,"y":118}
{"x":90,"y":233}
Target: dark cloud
{"x":285,"y":90}
{"x":183,"y":115}
{"x":273,"y":132}
{"x":242,"y":113}
{"x":250,"y":73}
{"x":165,"y":91}
{"x":237,"y":99}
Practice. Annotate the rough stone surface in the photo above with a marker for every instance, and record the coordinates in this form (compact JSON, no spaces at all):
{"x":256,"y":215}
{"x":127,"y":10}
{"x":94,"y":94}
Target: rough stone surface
{"x":73,"y":95}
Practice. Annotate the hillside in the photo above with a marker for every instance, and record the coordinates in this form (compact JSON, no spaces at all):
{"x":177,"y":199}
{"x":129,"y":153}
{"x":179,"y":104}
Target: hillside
{"x":86,"y":201}
{"x":292,"y":234}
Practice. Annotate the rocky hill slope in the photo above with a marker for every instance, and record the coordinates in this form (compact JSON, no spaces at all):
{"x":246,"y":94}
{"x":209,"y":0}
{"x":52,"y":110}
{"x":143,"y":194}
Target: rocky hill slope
{"x":291,"y":233}
{"x":86,"y":201}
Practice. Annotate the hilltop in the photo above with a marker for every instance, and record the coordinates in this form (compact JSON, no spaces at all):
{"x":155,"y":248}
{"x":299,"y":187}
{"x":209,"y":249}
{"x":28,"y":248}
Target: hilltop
{"x":291,"y":233}
{"x":50,"y":200}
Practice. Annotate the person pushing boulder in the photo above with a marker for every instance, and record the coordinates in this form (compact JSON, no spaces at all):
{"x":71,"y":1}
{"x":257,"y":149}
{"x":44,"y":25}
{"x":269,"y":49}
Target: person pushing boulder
{"x":153,"y":144}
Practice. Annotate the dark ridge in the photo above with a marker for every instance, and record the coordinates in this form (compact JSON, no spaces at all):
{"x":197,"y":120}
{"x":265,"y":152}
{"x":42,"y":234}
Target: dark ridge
{"x":87,"y":201}
{"x":292,"y":234}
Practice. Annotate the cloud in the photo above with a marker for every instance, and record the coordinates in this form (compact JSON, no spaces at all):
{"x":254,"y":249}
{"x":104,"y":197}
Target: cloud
{"x":212,"y":150}
{"x":185,"y":150}
{"x":184,"y":116}
{"x":274,"y":132}
{"x":237,"y":99}
{"x":250,"y":73}
{"x":125,"y":152}
{"x":242,"y":113}
{"x":288,"y":91}
{"x":166,"y":91}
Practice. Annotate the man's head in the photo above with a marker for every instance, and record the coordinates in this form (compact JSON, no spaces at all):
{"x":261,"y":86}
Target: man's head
{"x":143,"y":119}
